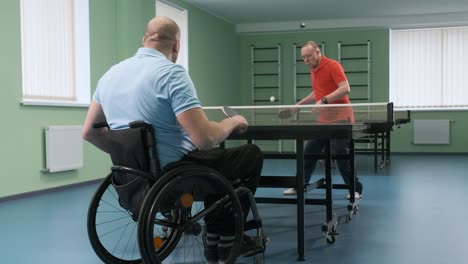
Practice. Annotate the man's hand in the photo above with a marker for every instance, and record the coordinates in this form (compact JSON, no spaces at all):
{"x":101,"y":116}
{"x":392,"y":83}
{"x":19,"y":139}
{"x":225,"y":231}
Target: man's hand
{"x":317,"y":109}
{"x":287,"y":113}
{"x":242,"y":124}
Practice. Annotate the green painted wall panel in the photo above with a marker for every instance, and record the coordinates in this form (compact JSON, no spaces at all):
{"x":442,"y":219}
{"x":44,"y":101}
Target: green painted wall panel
{"x":379,"y":63}
{"x":131,"y":19}
{"x":213,"y":57}
{"x":401,"y":138}
{"x":219,"y":62}
{"x":116,"y":28}
{"x":22,"y":155}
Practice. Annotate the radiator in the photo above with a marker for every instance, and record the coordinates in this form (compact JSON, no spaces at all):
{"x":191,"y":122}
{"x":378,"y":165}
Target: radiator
{"x":431,"y":132}
{"x":64,"y":148}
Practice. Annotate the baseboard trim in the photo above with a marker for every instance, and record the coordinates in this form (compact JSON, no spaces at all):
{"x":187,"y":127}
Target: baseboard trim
{"x":48,"y":190}
{"x":414,"y":153}
{"x":431,"y":153}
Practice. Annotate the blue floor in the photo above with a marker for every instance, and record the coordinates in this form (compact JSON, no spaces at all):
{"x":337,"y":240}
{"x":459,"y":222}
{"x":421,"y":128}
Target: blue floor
{"x":413,"y":211}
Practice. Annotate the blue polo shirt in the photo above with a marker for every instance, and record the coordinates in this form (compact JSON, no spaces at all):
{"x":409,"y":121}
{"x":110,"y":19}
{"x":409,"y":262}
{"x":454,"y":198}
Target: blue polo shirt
{"x":151,"y":88}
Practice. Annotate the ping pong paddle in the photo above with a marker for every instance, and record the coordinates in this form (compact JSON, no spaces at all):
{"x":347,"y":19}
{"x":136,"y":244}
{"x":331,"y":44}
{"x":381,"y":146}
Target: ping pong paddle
{"x":286,"y":113}
{"x":229,"y":112}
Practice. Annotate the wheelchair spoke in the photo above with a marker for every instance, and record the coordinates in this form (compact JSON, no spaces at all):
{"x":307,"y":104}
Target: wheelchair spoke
{"x":195,"y":244}
{"x":134,"y":249}
{"x":174,"y":254}
{"x":115,"y":207}
{"x":128,"y":241}
{"x":200,"y":246}
{"x":114,"y":220}
{"x":118,"y":228}
{"x":190,"y":249}
{"x":112,"y":192}
{"x":111,"y":228}
{"x":174,"y":218}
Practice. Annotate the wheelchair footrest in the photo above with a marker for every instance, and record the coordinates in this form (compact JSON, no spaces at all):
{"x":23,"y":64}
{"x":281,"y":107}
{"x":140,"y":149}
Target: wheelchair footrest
{"x":252,"y":224}
{"x":253,"y":245}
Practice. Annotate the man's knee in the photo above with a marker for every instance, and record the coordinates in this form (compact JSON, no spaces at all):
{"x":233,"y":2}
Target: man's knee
{"x":253,"y":152}
{"x":255,"y":157}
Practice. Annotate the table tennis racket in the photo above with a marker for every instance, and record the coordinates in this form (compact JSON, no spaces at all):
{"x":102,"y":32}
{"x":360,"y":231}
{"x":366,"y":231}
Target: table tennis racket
{"x":229,"y":112}
{"x":285,"y":113}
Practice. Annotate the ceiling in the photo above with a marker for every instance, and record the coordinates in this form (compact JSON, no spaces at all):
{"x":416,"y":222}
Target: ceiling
{"x":380,"y":13}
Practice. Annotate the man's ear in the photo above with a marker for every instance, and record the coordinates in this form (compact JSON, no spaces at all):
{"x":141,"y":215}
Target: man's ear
{"x":176,"y":46}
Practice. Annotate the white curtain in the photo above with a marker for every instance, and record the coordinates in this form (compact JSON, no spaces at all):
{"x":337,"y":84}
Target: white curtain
{"x":428,"y":68}
{"x":47,"y":43}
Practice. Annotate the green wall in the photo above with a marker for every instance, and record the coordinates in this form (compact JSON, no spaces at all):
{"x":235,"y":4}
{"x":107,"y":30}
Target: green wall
{"x":213,"y":57}
{"x":401,"y":138}
{"x":219,"y":64}
{"x":116,"y":28}
{"x":379,"y":64}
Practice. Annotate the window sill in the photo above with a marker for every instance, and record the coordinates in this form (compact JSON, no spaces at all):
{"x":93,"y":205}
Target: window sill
{"x":53,"y":103}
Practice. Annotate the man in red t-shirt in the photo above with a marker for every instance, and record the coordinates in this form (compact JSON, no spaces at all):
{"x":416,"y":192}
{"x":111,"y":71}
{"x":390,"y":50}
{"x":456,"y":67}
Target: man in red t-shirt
{"x":330,"y":85}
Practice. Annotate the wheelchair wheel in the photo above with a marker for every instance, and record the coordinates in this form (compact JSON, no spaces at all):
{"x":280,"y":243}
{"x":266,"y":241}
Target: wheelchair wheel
{"x":177,"y":202}
{"x":112,"y":230}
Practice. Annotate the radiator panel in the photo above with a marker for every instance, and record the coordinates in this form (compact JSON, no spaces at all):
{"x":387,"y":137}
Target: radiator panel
{"x":432,"y":132}
{"x":64,"y":148}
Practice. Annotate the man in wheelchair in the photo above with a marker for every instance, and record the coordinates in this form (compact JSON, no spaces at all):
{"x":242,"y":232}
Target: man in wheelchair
{"x":149,"y":86}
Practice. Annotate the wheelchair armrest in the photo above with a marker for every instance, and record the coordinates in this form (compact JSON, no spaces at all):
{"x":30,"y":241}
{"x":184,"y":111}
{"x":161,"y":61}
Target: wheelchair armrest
{"x":100,"y":125}
{"x":139,"y":123}
{"x":140,"y":173}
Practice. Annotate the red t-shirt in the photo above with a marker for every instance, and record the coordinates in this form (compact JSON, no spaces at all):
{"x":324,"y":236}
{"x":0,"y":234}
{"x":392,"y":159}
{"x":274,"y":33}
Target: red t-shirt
{"x":325,"y":80}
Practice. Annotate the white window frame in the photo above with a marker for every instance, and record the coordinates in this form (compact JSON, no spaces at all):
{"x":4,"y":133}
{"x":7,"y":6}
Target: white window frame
{"x":180,"y":16}
{"x":46,"y":77}
{"x":428,"y":68}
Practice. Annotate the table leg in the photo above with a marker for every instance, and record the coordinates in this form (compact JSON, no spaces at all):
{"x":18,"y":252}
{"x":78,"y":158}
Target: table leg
{"x":300,"y":198}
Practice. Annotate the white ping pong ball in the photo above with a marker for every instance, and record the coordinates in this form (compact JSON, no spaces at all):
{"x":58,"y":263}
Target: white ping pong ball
{"x":272,"y":99}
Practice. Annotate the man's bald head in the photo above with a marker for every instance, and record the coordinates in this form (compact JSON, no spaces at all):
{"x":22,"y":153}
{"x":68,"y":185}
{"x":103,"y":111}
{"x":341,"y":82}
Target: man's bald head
{"x":161,"y":34}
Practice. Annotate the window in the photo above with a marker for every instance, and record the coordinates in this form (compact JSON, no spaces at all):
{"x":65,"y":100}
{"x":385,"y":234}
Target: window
{"x":180,"y":16}
{"x":55,"y":52}
{"x":428,"y":68}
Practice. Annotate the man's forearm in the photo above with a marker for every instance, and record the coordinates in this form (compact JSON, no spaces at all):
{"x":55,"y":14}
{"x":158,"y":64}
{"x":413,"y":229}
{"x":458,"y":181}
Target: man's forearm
{"x":99,"y":139}
{"x":308,"y":99}
{"x":342,"y":90}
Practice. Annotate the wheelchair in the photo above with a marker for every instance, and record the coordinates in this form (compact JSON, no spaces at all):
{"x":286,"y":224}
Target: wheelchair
{"x":141,"y":214}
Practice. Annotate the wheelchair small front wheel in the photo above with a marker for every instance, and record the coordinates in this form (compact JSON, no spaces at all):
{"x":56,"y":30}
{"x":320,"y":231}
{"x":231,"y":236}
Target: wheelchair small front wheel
{"x":184,"y":200}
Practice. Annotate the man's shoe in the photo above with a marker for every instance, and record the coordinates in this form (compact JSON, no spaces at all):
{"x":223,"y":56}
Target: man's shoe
{"x":290,"y":191}
{"x":357,"y":196}
{"x":249,"y":247}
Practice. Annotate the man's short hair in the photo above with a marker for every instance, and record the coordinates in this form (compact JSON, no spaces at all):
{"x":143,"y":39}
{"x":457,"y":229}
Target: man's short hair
{"x":311,"y":44}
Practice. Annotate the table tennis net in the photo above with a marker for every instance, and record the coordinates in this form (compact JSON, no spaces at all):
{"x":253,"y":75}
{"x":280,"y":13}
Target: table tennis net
{"x":309,"y":114}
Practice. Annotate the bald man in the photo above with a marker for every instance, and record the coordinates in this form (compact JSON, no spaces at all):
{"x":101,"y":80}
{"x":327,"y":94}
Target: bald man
{"x":149,"y":86}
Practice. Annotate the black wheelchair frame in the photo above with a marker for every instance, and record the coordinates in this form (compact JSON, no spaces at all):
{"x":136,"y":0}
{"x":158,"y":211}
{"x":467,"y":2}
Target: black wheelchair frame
{"x":162,"y":221}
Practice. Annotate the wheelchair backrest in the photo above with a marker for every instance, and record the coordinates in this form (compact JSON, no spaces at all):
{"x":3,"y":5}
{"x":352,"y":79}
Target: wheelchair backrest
{"x":135,"y":148}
